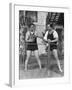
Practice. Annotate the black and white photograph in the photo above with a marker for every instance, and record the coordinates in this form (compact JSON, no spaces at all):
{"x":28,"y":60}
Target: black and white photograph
{"x":36,"y":44}
{"x":41,"y":44}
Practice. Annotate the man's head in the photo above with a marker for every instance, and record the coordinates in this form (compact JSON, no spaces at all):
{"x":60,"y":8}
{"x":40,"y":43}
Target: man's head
{"x":49,"y":27}
{"x":32,"y":27}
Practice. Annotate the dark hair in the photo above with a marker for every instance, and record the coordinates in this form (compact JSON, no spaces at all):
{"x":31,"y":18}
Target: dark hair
{"x":51,"y":25}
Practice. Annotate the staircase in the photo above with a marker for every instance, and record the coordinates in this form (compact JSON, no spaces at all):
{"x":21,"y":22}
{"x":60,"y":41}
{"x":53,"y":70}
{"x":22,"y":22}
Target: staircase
{"x":53,"y":17}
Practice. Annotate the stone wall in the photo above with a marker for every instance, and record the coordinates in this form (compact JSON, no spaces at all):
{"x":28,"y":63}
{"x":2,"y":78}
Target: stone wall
{"x":40,"y":27}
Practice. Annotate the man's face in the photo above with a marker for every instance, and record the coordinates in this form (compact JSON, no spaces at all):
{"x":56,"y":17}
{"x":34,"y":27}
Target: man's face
{"x":49,"y":28}
{"x":32,"y":28}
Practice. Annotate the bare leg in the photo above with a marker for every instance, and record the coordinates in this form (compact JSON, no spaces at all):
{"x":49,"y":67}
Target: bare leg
{"x":57,"y":59}
{"x":27,"y":59}
{"x":37,"y":57}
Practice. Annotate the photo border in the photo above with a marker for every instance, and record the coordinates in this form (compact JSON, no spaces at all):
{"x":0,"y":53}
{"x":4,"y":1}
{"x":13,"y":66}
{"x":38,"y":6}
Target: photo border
{"x":14,"y":64}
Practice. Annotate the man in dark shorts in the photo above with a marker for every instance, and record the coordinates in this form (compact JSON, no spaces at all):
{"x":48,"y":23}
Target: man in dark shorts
{"x":51,"y":37}
{"x":32,"y":46}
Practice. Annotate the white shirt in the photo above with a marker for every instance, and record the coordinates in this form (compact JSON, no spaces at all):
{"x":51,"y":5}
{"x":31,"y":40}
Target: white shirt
{"x":55,"y":34}
{"x":28,"y":34}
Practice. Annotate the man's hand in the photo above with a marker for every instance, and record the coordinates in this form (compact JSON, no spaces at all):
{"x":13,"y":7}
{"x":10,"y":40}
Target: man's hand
{"x":49,"y":41}
{"x":30,"y":40}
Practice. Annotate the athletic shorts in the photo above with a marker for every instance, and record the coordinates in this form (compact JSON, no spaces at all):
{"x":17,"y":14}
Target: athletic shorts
{"x":53,"y":47}
{"x":32,"y":46}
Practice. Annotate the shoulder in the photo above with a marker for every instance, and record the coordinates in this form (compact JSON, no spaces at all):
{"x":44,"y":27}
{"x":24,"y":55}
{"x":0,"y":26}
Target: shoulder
{"x":55,"y":33}
{"x":36,"y":32}
{"x":46,"y":32}
{"x":27,"y":33}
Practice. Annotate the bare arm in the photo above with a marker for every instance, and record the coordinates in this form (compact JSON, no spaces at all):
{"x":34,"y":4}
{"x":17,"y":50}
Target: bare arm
{"x":39,"y":36}
{"x":55,"y":36}
{"x":56,"y":39}
{"x":27,"y":39}
{"x":45,"y":37}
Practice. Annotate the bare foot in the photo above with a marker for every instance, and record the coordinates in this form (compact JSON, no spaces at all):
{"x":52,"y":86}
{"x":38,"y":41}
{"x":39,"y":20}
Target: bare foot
{"x":60,"y":70}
